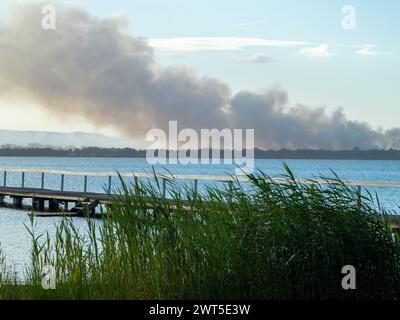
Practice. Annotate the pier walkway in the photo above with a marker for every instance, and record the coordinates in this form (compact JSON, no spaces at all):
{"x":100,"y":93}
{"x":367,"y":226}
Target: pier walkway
{"x":56,"y":202}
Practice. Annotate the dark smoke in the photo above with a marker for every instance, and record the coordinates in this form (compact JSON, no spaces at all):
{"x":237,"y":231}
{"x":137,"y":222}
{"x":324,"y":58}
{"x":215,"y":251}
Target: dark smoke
{"x":91,"y":67}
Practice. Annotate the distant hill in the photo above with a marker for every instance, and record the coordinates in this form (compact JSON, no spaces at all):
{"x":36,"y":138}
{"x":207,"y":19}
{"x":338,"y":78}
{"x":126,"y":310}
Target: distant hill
{"x":354,"y":154}
{"x":60,"y":140}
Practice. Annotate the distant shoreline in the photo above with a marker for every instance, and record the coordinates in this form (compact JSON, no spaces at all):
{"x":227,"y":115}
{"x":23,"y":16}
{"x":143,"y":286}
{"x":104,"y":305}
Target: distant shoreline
{"x":94,"y":152}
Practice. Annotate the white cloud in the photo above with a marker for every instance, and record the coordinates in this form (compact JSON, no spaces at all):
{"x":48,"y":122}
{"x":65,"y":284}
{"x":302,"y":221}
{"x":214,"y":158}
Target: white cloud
{"x":218,"y":43}
{"x":321,"y":51}
{"x":256,"y":58}
{"x":371,"y":51}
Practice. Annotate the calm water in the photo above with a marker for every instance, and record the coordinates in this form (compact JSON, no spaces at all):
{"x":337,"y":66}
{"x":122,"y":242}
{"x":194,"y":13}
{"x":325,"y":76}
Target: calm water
{"x":15,"y":241}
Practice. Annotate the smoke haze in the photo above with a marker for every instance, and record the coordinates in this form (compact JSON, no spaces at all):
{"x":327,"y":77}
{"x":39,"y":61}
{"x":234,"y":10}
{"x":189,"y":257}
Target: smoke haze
{"x":92,"y":67}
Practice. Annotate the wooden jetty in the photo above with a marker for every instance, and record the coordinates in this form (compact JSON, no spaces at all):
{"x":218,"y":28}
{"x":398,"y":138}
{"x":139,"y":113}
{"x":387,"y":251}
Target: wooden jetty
{"x":49,"y":202}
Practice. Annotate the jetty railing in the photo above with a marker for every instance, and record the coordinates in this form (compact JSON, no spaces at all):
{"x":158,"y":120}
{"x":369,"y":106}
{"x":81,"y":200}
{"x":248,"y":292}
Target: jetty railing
{"x":164,"y":177}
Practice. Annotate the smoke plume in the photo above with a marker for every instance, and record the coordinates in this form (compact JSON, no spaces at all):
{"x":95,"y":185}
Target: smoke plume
{"x":92,"y":67}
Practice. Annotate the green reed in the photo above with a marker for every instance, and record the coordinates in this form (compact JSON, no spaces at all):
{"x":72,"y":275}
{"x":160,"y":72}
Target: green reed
{"x":275,"y":241}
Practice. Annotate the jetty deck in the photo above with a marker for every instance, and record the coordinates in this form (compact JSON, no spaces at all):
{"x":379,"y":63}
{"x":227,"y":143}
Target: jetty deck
{"x":47,"y":194}
{"x":50,"y":202}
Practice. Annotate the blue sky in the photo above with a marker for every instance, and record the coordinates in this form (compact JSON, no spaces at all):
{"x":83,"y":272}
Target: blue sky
{"x":365,"y":85}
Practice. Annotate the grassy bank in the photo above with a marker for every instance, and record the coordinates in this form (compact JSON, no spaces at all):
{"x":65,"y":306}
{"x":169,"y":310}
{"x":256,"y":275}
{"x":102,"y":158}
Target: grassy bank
{"x":279,"y":241}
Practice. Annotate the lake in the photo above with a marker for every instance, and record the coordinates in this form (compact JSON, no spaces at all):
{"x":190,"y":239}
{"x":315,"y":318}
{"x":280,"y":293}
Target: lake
{"x":15,"y":240}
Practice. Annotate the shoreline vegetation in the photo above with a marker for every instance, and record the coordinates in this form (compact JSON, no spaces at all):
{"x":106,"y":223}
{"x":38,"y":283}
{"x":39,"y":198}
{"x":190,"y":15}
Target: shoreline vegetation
{"x":275,"y":241}
{"x":353,"y":154}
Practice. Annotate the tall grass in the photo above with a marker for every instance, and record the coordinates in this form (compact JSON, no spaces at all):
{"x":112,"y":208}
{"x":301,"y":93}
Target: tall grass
{"x":275,"y":241}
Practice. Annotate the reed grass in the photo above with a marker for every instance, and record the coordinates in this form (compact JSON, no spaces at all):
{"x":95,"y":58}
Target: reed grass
{"x":270,"y":241}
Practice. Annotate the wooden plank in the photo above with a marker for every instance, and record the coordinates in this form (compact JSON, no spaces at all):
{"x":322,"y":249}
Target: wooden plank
{"x":82,"y":208}
{"x":54,"y":194}
{"x":52,"y":214}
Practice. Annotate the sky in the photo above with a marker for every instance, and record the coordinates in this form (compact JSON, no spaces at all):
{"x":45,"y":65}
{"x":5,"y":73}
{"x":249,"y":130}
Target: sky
{"x":366,"y":86}
{"x":299,"y":46}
